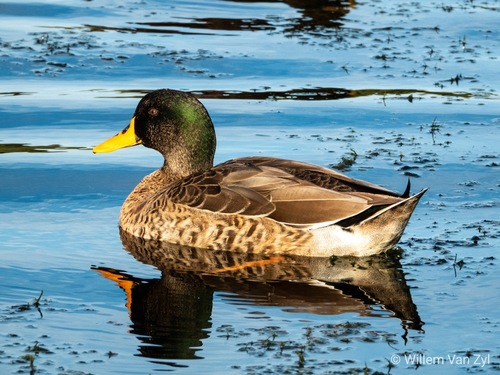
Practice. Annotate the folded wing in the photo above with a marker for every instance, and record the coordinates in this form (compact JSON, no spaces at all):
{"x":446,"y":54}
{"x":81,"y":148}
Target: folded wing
{"x":281,"y":190}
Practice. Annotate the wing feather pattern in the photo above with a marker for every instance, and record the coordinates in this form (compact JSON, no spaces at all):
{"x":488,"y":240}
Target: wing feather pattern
{"x":294,"y":193}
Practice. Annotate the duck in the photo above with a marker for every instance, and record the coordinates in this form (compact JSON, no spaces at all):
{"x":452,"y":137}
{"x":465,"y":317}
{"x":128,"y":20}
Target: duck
{"x":255,"y":204}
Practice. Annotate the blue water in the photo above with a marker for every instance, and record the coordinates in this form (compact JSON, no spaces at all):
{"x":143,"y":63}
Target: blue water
{"x":72,"y":75}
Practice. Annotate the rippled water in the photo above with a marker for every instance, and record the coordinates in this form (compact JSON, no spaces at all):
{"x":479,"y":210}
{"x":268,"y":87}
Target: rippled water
{"x":410,"y":89}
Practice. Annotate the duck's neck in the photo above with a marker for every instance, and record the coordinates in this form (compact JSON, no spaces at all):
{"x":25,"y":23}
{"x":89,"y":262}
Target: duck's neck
{"x":178,"y":165}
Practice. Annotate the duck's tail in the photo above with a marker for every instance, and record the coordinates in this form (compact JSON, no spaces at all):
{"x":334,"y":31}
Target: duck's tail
{"x":373,"y":235}
{"x":387,"y":225}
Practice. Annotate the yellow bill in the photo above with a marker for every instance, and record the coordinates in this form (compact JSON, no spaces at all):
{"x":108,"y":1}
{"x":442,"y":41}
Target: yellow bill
{"x":125,"y":138}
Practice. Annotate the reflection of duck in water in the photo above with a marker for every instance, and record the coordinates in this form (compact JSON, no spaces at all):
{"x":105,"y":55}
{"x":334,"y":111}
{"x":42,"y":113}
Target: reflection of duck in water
{"x":172,"y":314}
{"x":252,"y":204}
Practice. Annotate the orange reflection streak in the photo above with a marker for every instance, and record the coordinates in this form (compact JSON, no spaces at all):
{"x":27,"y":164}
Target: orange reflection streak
{"x":254,"y":263}
{"x":123,"y":283}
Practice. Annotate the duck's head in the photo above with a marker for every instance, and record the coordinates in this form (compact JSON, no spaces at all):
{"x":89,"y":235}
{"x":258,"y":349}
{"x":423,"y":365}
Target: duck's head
{"x":174,"y":123}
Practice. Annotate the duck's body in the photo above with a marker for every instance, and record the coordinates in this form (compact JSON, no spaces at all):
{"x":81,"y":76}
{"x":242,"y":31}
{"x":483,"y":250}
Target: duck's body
{"x":254,"y":204}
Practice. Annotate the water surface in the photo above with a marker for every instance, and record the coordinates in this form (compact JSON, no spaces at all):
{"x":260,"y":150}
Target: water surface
{"x":410,"y":89}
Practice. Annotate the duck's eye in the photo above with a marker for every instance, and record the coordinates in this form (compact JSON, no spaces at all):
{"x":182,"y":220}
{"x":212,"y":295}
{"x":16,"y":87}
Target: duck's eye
{"x":153,"y":112}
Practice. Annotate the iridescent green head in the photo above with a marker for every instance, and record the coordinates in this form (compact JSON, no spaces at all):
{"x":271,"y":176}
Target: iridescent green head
{"x":174,"y":123}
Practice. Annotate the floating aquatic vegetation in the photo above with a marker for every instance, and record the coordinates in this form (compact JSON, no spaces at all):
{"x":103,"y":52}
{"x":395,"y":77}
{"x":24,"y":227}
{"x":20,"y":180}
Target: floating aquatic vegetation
{"x":6,"y":148}
{"x":346,"y":162}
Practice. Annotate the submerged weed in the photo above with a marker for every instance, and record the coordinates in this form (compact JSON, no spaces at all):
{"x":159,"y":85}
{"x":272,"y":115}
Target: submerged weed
{"x":346,"y":162}
{"x":38,"y":349}
{"x":30,"y":358}
{"x":28,"y":306}
{"x":434,"y":128}
{"x":274,"y":345}
{"x":458,"y":264}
